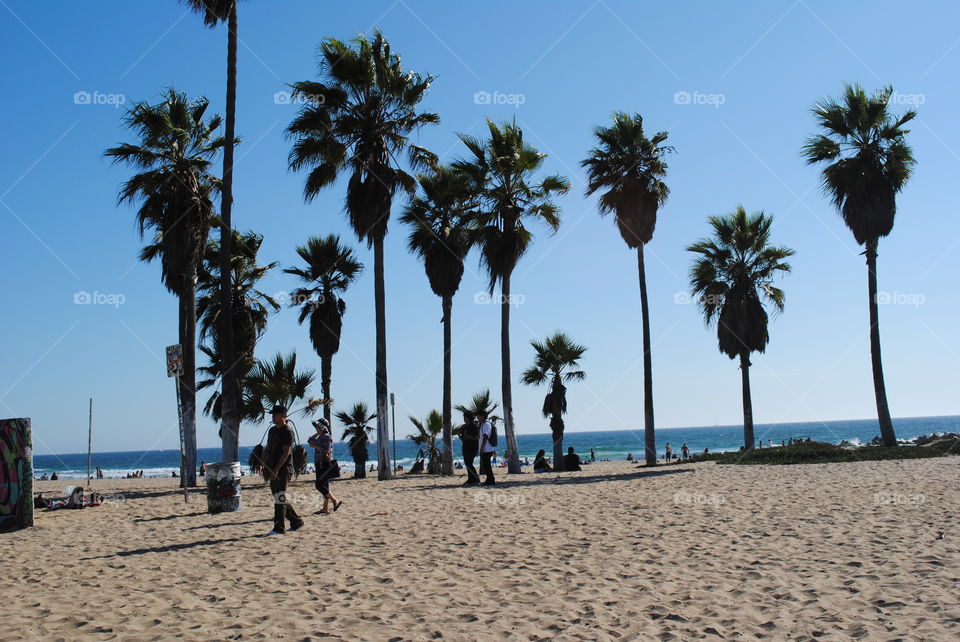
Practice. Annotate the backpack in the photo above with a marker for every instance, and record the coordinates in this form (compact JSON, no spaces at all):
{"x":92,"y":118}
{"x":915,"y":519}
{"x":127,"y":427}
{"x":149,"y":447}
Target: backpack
{"x":493,"y":434}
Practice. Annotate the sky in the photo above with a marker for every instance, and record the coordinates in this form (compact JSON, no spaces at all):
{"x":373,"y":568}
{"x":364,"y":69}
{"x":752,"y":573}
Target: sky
{"x":732,"y":83}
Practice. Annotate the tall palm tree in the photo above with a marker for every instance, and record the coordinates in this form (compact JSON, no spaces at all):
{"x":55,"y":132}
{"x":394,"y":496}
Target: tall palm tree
{"x":629,"y":169}
{"x":867,"y":163}
{"x":216,"y":12}
{"x":331,"y":268}
{"x":278,"y":382}
{"x":175,"y":188}
{"x":439,"y":218}
{"x":554,"y":362}
{"x":359,"y":121}
{"x":426,"y":439}
{"x":357,"y":431}
{"x":731,"y":279}
{"x":501,"y":173}
{"x":250,"y":307}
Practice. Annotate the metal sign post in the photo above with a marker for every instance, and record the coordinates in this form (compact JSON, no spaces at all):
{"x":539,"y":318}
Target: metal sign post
{"x":393,"y":408}
{"x":175,"y":369}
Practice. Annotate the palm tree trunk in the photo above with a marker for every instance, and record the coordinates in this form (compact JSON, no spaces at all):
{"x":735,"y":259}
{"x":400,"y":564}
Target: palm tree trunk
{"x":383,"y":425}
{"x":506,"y":383}
{"x":188,"y":381}
{"x":649,"y":438}
{"x":748,"y":442}
{"x":326,"y":370}
{"x":230,"y":397}
{"x":447,"y":458}
{"x":887,"y":434}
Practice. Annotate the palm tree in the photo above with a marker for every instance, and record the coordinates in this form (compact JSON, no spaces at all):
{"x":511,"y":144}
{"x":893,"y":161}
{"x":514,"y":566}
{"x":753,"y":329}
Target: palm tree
{"x":250,"y":307}
{"x":731,"y":279}
{"x":175,"y":188}
{"x":357,"y":433}
{"x":331,"y":268}
{"x":500,"y":173}
{"x":554,"y":362}
{"x":426,"y":440}
{"x":629,"y":168}
{"x":359,"y":121}
{"x":278,"y":382}
{"x":216,"y":12}
{"x":440,"y":235}
{"x":480,"y":403}
{"x":868,"y":162}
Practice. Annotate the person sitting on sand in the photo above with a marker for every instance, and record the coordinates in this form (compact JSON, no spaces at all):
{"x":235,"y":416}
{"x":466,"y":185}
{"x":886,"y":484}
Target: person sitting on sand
{"x":278,"y":469}
{"x":322,"y":444}
{"x":629,"y":456}
{"x":571,"y":463}
{"x":540,"y":464}
{"x":54,"y":477}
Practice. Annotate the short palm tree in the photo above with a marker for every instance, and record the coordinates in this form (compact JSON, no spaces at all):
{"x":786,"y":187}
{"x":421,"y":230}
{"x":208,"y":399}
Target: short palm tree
{"x":216,"y":12}
{"x":427,"y":440}
{"x":557,"y":359}
{"x":358,"y":121}
{"x":629,"y":168}
{"x":731,"y":278}
{"x":480,"y":403}
{"x":175,"y":187}
{"x":250,"y":306}
{"x":439,"y":221}
{"x":867,"y":163}
{"x":278,"y":382}
{"x":330,"y":269}
{"x":501,"y":171}
{"x":356,"y":432}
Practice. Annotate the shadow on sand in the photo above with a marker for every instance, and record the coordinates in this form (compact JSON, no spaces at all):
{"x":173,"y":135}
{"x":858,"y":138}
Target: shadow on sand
{"x":531,"y":479}
{"x":170,"y":548}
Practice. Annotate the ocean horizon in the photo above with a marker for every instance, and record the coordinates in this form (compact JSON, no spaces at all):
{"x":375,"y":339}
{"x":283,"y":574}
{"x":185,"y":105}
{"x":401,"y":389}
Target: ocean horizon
{"x":606,"y":444}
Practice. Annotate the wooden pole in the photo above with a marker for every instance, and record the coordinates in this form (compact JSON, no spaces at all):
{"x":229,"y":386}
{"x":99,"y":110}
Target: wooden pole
{"x":89,"y":441}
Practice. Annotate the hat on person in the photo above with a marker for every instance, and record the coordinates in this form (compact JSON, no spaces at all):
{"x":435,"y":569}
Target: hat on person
{"x":322,"y":423}
{"x":278,"y":410}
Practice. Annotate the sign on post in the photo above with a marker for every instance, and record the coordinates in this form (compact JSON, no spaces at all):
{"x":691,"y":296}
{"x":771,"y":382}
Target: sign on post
{"x":174,"y":360}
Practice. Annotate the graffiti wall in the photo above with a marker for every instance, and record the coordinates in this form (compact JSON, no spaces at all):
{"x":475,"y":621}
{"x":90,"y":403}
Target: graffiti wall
{"x":16,"y":474}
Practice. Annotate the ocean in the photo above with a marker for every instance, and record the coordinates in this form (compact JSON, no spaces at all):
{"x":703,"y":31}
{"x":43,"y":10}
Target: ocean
{"x":610,"y":444}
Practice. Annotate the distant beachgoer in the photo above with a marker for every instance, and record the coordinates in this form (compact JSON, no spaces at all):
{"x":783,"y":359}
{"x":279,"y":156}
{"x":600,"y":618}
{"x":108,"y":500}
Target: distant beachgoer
{"x":470,"y":443}
{"x":54,"y":477}
{"x":593,"y":457}
{"x":44,"y":477}
{"x":173,"y":473}
{"x":322,"y":444}
{"x":669,"y":452}
{"x":278,"y":469}
{"x":629,"y":456}
{"x":684,"y":451}
{"x":487,"y":451}
{"x":203,"y":469}
{"x":540,"y":464}
{"x":706,"y":451}
{"x":571,"y":463}
{"x":781,"y":443}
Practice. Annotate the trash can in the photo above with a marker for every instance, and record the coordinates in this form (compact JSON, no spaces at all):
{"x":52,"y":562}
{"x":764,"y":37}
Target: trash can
{"x":223,"y":487}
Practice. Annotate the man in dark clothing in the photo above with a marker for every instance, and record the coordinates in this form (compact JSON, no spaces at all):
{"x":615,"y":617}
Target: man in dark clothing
{"x":278,"y":469}
{"x":571,"y":462}
{"x":470,"y":436}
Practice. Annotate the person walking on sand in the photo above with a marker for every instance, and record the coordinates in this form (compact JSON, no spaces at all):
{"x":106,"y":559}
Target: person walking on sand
{"x":487,"y":450}
{"x":322,"y":444}
{"x":470,"y":440}
{"x":278,"y":469}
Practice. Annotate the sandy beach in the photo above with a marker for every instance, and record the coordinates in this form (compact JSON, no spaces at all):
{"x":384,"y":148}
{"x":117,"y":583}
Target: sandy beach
{"x":614,"y":552}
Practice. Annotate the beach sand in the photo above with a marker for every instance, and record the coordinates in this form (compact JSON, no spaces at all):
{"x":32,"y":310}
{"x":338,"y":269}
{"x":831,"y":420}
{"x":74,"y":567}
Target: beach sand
{"x":681,"y":552}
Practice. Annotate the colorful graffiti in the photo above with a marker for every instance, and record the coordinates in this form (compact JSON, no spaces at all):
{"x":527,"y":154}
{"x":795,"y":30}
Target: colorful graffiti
{"x":16,"y":474}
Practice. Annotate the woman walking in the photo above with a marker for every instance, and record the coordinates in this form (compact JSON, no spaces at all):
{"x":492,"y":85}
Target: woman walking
{"x":324,"y":463}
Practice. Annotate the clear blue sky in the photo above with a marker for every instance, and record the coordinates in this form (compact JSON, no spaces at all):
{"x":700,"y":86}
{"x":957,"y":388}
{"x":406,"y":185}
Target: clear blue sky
{"x":752,"y":71}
